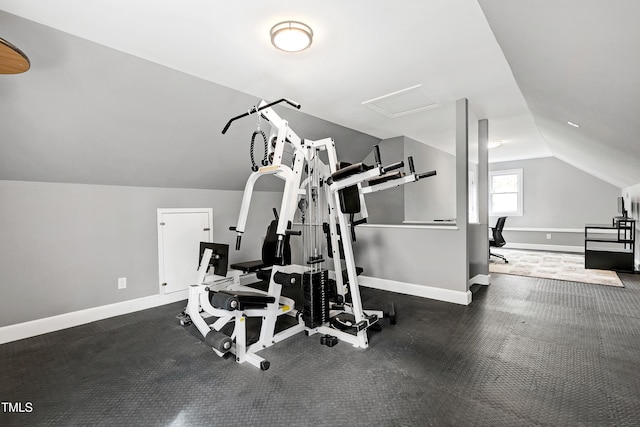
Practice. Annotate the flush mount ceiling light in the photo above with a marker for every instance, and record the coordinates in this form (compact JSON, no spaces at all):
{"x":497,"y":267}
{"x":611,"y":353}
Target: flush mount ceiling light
{"x":575,"y":125}
{"x":291,"y":36}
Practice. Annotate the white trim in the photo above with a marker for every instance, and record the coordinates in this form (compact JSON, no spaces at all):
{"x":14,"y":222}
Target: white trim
{"x":546,"y":230}
{"x":184,"y":210}
{"x":68,"y":320}
{"x":432,"y":222}
{"x":550,"y":248}
{"x":423,"y":291}
{"x":430,"y":227}
{"x":480,"y":279}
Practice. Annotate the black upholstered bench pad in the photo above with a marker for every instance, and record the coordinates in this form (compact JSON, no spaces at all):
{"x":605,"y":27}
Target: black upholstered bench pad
{"x":248,"y":266}
{"x":349,"y":170}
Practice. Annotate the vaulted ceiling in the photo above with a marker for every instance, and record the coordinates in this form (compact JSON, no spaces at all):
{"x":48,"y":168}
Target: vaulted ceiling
{"x":578,"y":61}
{"x":178,"y":70}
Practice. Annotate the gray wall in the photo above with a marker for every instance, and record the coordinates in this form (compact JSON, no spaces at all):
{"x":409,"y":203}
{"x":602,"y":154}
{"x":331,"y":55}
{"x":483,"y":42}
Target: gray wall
{"x":126,"y":140}
{"x":558,"y":195}
{"x":387,"y":207}
{"x":632,"y":205}
{"x":478,"y":243}
{"x":425,"y":200}
{"x":418,"y":255}
{"x":432,"y":257}
{"x":462,"y":185}
{"x":477,"y":233}
{"x":85,"y":113}
{"x":434,"y":197}
{"x":63,"y":246}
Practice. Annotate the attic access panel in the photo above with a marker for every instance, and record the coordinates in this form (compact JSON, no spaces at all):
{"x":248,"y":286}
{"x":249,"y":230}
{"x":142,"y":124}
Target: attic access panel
{"x":402,"y":102}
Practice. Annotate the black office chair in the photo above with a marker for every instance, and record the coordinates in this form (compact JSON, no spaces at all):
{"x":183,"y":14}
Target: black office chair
{"x":496,"y":240}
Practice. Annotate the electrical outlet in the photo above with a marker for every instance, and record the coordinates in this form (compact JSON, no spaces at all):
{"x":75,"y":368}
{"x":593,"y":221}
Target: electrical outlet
{"x":548,"y":236}
{"x":122,"y":283}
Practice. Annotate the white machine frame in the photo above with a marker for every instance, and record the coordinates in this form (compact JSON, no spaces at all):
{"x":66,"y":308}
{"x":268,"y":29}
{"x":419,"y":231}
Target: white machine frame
{"x":304,"y":151}
{"x":199,"y":308}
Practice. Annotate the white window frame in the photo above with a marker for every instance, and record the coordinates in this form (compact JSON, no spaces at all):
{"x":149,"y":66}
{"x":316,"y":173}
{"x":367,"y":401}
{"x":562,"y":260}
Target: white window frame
{"x":519,"y":211}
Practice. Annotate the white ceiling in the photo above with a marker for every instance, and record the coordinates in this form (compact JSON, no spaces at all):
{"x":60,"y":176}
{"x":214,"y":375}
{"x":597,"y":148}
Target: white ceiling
{"x":578,"y":61}
{"x":364,"y":49}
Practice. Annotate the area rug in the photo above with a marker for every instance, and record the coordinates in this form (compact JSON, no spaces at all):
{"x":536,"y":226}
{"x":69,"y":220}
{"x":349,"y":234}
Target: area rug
{"x":551,"y":265}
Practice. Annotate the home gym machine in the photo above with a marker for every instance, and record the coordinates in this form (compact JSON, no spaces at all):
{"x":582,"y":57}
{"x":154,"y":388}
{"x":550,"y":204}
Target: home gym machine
{"x":328,"y":197}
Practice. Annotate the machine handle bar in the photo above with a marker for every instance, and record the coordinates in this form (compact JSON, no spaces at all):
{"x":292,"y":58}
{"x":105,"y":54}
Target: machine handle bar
{"x":412,"y":168}
{"x":426,"y":174}
{"x":255,"y":110}
{"x":293,"y":232}
{"x":376,"y":154}
{"x":393,"y":166}
{"x":360,"y":221}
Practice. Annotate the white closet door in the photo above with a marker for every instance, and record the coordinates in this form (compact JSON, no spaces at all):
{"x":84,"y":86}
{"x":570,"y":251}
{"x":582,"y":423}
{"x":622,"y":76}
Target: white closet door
{"x":180,"y":232}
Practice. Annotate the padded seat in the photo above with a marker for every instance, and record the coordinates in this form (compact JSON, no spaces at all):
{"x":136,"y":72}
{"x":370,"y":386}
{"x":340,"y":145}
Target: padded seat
{"x":268,"y":252}
{"x":249,"y":266}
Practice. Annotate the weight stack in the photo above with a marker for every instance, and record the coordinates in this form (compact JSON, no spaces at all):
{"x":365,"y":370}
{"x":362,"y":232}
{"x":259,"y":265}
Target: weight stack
{"x":315,"y":289}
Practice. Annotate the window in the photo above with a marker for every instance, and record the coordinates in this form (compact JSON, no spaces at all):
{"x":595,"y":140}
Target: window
{"x":505,"y":192}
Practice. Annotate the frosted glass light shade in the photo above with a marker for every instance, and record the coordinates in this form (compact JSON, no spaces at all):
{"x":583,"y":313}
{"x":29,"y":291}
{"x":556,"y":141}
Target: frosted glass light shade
{"x":291,"y":36}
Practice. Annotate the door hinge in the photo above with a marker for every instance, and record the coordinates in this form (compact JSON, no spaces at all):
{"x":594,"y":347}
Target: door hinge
{"x":162,"y":223}
{"x":206,"y":229}
{"x":164,"y":284}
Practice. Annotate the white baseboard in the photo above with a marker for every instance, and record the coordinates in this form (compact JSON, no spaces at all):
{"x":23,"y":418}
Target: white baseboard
{"x":546,"y":230}
{"x":539,"y":247}
{"x":480,"y":279}
{"x":424,"y":291}
{"x":68,"y":320}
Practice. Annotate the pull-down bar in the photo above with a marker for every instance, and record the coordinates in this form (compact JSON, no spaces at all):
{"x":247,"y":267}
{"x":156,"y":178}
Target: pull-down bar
{"x":255,"y":110}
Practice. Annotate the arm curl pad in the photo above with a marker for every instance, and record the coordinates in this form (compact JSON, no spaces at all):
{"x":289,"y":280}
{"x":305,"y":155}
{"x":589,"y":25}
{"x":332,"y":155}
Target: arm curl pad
{"x":286,"y":279}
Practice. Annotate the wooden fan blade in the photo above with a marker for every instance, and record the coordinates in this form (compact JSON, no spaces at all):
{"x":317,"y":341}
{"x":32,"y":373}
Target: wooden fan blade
{"x":12,"y":59}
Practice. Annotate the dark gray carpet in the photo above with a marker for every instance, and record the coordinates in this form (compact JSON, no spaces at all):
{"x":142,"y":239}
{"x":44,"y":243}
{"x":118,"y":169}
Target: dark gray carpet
{"x":526,"y":352}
